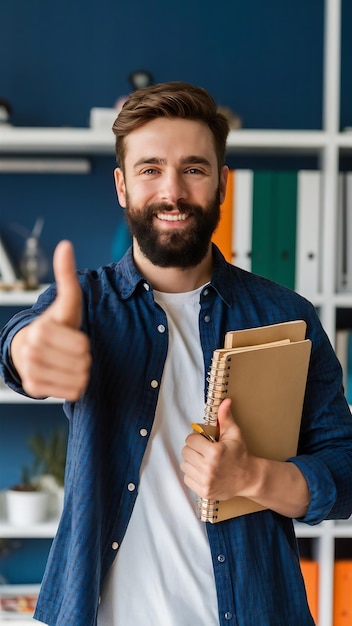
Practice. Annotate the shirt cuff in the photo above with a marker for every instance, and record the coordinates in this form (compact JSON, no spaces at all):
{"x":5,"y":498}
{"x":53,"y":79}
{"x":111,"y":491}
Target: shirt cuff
{"x":321,"y":485}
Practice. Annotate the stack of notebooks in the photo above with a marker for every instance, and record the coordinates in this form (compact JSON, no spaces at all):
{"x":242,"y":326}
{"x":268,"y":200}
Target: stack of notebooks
{"x":264,"y":371}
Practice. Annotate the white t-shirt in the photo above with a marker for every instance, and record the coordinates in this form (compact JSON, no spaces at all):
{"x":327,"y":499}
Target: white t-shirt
{"x":163,"y":574}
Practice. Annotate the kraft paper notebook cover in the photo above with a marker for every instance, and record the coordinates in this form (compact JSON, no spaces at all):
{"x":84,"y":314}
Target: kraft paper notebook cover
{"x":265,"y":374}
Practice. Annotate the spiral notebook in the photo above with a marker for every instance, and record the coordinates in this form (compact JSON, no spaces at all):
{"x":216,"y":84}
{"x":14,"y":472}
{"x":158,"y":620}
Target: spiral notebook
{"x":264,"y":371}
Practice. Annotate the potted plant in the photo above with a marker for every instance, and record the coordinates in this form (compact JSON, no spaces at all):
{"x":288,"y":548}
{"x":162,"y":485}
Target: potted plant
{"x":25,"y":503}
{"x":49,"y":463}
{"x":40,"y":490}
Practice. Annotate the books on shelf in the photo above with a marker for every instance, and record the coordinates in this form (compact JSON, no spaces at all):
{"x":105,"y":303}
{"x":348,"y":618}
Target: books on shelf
{"x":343,"y":350}
{"x":242,"y":223}
{"x":308,"y":233}
{"x":223,"y":234}
{"x":275,"y":225}
{"x":342,"y":593}
{"x":344,"y":233}
{"x":17,"y":602}
{"x":310,"y":573}
{"x":264,"y":371}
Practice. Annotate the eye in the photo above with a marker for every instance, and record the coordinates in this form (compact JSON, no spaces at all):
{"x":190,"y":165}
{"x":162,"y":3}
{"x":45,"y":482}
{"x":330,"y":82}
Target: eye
{"x":150,"y":171}
{"x":194,"y":170}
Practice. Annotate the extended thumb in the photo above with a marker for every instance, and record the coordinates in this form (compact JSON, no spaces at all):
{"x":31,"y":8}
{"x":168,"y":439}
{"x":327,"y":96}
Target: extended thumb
{"x":67,"y":308}
{"x":227,"y":425}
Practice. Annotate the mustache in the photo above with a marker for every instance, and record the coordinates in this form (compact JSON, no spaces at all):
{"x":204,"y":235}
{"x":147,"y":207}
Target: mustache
{"x":163,"y":207}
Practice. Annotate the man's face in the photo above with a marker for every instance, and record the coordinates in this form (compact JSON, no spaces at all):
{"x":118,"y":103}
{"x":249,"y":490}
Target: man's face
{"x":171,"y":190}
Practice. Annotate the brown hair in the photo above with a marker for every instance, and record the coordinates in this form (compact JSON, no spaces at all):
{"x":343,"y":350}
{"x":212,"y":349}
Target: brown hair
{"x":171,"y":100}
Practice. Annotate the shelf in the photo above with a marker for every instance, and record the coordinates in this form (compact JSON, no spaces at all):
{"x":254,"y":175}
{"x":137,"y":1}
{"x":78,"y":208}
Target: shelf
{"x":20,"y":297}
{"x":45,"y":530}
{"x":88,"y":141}
{"x":17,"y":603}
{"x":44,"y":165}
{"x":276,"y":141}
{"x":343,"y":300}
{"x":17,"y":620}
{"x":56,"y":141}
{"x":7,"y":396}
{"x":303,"y":531}
{"x":343,"y":530}
{"x":344,"y":142}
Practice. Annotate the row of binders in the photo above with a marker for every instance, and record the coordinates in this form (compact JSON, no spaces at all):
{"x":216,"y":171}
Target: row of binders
{"x":271,"y":224}
{"x":343,"y":349}
{"x":342,"y":598}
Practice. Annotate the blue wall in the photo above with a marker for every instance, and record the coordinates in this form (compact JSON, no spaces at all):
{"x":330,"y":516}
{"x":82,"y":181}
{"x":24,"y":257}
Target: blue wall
{"x":59,"y":59}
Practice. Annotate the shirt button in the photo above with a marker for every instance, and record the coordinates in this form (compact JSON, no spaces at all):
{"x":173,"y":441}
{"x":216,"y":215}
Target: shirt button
{"x":221,"y":558}
{"x":146,"y":286}
{"x":228,"y":615}
{"x":205,"y":292}
{"x":114,"y":545}
{"x":131,"y":486}
{"x":161,"y":328}
{"x":154,"y":384}
{"x":143,"y":432}
{"x":207,"y":318}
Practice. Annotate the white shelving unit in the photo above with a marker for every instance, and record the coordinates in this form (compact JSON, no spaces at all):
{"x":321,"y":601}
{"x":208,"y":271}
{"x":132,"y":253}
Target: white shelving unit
{"x":20,"y":591}
{"x":20,"y":298}
{"x":327,"y":145}
{"x":45,"y":530}
{"x":48,"y":528}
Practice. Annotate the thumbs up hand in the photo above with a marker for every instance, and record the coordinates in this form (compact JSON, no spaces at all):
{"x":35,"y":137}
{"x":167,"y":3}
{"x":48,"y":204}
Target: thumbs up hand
{"x":220,"y":470}
{"x":67,"y":307}
{"x":51,"y":354}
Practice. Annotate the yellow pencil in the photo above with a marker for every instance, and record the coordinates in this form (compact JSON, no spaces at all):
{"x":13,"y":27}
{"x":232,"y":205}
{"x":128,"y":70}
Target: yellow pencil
{"x":199,"y":429}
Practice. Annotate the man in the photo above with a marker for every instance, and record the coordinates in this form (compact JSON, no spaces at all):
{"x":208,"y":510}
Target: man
{"x":128,"y":346}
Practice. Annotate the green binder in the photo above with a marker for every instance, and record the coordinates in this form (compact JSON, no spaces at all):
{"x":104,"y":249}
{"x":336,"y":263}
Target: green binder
{"x":274,"y":226}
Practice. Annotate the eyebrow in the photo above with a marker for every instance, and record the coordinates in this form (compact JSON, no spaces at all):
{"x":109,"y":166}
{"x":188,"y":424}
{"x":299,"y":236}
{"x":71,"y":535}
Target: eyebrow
{"x":189,"y":160}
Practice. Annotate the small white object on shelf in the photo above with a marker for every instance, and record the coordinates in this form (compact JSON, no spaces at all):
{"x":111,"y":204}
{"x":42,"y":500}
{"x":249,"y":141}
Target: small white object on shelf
{"x":7,"y":271}
{"x":102,"y":118}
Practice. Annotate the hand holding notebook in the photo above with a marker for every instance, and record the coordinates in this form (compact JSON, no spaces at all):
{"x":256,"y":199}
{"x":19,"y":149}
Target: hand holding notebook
{"x":264,"y":372}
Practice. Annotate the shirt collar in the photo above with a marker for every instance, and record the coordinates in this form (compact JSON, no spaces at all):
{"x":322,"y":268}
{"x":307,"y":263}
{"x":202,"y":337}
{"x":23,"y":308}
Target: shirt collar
{"x":223,"y":277}
{"x":128,"y":277}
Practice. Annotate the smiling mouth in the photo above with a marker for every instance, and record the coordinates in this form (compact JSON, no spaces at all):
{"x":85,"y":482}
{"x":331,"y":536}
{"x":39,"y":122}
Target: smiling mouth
{"x":172,"y":217}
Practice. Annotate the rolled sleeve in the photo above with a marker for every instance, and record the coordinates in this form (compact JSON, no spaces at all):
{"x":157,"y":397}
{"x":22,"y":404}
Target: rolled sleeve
{"x":321,"y":485}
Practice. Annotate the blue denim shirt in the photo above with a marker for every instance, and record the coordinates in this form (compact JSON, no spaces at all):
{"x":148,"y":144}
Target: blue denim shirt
{"x":255,"y":556}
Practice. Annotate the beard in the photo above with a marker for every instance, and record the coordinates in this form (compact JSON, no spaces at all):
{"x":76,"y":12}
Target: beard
{"x":182,"y":248}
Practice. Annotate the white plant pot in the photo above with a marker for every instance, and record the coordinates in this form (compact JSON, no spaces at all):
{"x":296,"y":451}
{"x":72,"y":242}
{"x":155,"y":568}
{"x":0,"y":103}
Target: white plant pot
{"x":25,"y":508}
{"x":60,"y":500}
{"x":48,"y":483}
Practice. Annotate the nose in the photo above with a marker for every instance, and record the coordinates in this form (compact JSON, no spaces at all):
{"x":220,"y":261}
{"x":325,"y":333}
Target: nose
{"x":173,"y":188}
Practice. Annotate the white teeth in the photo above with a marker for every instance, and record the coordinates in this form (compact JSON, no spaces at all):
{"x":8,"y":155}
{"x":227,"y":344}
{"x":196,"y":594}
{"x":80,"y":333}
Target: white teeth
{"x":171,"y":217}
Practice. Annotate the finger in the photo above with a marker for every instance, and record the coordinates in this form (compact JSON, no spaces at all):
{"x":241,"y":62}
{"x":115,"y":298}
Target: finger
{"x":67,"y":308}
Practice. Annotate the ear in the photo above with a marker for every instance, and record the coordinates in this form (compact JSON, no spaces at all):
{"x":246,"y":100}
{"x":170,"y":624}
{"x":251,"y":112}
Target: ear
{"x":223,"y":182}
{"x":120,"y":186}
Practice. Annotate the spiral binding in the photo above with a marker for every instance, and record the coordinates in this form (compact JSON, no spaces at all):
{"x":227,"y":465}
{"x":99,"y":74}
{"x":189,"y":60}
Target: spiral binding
{"x":207,"y":510}
{"x":217,"y":379}
{"x":217,"y":387}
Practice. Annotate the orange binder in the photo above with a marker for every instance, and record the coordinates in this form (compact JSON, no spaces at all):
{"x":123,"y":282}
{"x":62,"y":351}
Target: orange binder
{"x":343,"y":593}
{"x":310,"y":572}
{"x":223,"y":234}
